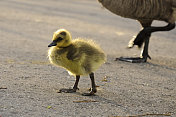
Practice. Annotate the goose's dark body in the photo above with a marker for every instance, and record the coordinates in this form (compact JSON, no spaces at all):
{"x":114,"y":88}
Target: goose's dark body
{"x":145,"y":11}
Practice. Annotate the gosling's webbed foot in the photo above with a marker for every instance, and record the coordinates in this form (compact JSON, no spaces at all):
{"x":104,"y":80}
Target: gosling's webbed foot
{"x":68,"y":90}
{"x":91,"y":93}
{"x":132,"y":60}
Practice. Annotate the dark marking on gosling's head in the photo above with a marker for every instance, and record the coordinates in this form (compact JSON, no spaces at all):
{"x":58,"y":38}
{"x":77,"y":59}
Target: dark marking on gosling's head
{"x":58,"y":39}
{"x":54,"y":43}
{"x":63,"y":33}
{"x":61,"y":38}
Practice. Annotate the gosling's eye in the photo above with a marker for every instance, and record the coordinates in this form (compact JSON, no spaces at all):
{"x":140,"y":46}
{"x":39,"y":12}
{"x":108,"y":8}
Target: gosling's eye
{"x":58,"y":39}
{"x":63,"y":33}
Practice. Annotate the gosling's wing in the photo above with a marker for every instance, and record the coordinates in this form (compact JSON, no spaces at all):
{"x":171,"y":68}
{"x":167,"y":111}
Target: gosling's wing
{"x":73,"y":54}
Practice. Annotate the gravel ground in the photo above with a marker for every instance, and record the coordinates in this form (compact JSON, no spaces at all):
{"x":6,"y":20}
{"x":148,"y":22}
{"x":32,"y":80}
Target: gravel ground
{"x":29,"y":84}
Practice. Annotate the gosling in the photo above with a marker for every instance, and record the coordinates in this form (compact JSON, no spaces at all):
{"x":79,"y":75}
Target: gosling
{"x":78,"y":57}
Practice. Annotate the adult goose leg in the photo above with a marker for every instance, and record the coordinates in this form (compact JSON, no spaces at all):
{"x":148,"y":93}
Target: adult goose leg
{"x":144,"y":36}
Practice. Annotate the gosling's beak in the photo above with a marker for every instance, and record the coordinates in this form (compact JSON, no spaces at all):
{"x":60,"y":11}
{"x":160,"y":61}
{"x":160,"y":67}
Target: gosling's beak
{"x":52,"y":44}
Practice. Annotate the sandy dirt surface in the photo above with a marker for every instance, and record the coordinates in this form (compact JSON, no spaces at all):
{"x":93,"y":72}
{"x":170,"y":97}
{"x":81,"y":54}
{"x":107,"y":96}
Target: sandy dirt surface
{"x":29,"y":84}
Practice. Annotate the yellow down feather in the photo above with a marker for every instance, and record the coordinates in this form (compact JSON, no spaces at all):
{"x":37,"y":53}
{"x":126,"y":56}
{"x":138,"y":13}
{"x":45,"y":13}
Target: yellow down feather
{"x":78,"y":56}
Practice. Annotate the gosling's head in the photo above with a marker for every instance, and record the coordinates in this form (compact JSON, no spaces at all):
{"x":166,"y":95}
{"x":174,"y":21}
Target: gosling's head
{"x":61,"y":39}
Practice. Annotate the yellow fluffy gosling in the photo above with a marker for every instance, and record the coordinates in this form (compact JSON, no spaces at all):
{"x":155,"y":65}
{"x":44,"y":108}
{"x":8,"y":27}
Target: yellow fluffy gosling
{"x":78,"y":57}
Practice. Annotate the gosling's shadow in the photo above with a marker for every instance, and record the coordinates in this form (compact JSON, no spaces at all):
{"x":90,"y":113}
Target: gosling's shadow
{"x":101,"y":97}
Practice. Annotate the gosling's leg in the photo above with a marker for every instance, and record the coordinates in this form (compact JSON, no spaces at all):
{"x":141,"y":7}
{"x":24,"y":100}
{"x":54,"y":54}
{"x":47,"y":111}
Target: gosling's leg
{"x":75,"y":87}
{"x":93,"y":90}
{"x":145,"y":36}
